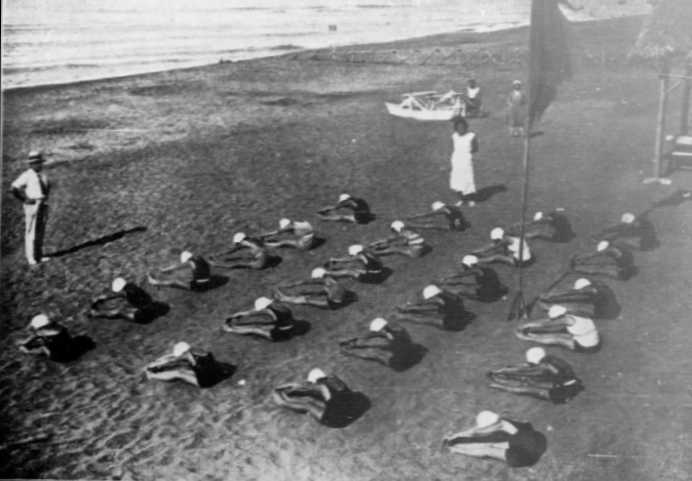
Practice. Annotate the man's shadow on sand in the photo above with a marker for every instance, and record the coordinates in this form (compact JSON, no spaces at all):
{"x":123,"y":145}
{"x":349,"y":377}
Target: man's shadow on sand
{"x":103,"y":240}
{"x":486,"y":193}
{"x":344,"y":408}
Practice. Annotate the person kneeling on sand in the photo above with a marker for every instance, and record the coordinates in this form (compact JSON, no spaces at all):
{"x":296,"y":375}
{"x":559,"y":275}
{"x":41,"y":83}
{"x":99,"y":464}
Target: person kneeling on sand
{"x":505,"y":249}
{"x":359,"y":210}
{"x":552,"y":226}
{"x":437,"y":305}
{"x":138,"y":305}
{"x":452,"y":214}
{"x":542,"y":376}
{"x":193,"y":273}
{"x":585,"y":297}
{"x":610,"y":260}
{"x":513,"y":442}
{"x":636,"y":232}
{"x":246,"y":253}
{"x":480,"y":283}
{"x":359,"y":264}
{"x":567,"y":330}
{"x":268,"y":319}
{"x":48,"y":338}
{"x":384,"y":343}
{"x":404,"y":242}
{"x":321,"y":290}
{"x":291,"y":233}
{"x":185,"y":364}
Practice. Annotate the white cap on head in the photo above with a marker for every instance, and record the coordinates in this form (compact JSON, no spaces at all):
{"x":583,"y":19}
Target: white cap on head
{"x":344,"y":197}
{"x":581,"y":283}
{"x":377,"y":324}
{"x":318,"y":273}
{"x":486,"y":418}
{"x":239,"y":237}
{"x":581,"y":326}
{"x":627,"y":217}
{"x":39,"y":321}
{"x":283,"y":223}
{"x":603,"y":245}
{"x":469,"y":260}
{"x":437,"y":205}
{"x":556,"y":311}
{"x":397,"y":226}
{"x":516,"y":82}
{"x":118,"y":284}
{"x":535,"y":355}
{"x":316,"y":374}
{"x":355,"y":249}
{"x":538,"y":216}
{"x":262,"y":303}
{"x":431,"y":291}
{"x":181,"y":348}
{"x":185,"y":256}
{"x":497,"y":233}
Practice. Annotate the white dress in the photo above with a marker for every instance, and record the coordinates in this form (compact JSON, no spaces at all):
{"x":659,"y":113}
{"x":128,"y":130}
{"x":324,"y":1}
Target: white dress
{"x":461,"y":178}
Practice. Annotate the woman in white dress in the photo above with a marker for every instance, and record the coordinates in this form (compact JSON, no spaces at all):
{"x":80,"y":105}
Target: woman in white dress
{"x":461,"y":178}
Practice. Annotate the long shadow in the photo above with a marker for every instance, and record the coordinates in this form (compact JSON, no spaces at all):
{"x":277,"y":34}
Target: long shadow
{"x":300,"y":328}
{"x":215,"y":281}
{"x":220,"y":372}
{"x":378,"y":278}
{"x":79,"y":346}
{"x":345,"y":408}
{"x":96,"y":242}
{"x":156,"y":310}
{"x":486,"y":193}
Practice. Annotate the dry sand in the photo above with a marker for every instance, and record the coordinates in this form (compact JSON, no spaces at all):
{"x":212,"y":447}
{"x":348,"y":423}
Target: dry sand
{"x":198,"y":154}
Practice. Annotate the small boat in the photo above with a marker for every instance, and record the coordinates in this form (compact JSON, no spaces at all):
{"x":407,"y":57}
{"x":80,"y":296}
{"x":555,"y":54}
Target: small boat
{"x":428,"y":105}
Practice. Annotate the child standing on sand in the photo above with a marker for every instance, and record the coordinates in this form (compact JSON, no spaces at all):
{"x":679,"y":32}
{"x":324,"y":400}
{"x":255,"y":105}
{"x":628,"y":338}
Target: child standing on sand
{"x":465,"y":145}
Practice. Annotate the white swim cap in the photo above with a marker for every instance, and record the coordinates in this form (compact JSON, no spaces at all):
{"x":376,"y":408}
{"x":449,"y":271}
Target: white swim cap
{"x":355,"y":249}
{"x":397,"y":226}
{"x":431,"y":291}
{"x":538,"y":215}
{"x":497,"y":233}
{"x":344,"y":197}
{"x":535,"y":355}
{"x":118,"y":284}
{"x":377,"y":324}
{"x":185,"y":256}
{"x":469,"y":260}
{"x":581,"y":283}
{"x":486,"y":418}
{"x":39,"y":321}
{"x":556,"y":311}
{"x":262,"y":303}
{"x":437,"y":205}
{"x":316,"y":374}
{"x":318,"y":273}
{"x":180,"y":348}
{"x":581,"y":326}
{"x":627,"y":218}
{"x":283,"y":223}
{"x":603,"y":245}
{"x":239,"y":237}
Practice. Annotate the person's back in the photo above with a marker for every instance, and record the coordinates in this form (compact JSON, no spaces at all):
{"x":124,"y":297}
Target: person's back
{"x":525,"y":446}
{"x":136,"y":296}
{"x":201,"y":271}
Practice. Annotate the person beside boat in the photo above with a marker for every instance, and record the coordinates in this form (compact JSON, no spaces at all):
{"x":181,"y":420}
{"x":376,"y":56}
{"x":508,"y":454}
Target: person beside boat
{"x":461,"y":179}
{"x":473,"y":99}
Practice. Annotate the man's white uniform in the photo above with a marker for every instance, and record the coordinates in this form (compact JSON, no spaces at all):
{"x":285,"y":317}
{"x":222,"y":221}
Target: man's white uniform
{"x":34,"y":186}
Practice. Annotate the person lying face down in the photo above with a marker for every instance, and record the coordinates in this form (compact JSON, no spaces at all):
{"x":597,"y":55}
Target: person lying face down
{"x":382,"y":343}
{"x":192,"y":272}
{"x":480,"y":283}
{"x":404,"y":242}
{"x":291,"y":233}
{"x":585,"y":297}
{"x":359,"y":210}
{"x":321,"y":290}
{"x":138,"y":306}
{"x":560,"y":328}
{"x":495,"y":437}
{"x":185,"y":364}
{"x":542,"y":376}
{"x":268,"y":319}
{"x":437,"y":307}
{"x":452,"y":215}
{"x":246,"y":253}
{"x":505,"y":249}
{"x":47,"y":338}
{"x":551,"y":226}
{"x":635,"y":232}
{"x":359,"y":264}
{"x":609,"y":260}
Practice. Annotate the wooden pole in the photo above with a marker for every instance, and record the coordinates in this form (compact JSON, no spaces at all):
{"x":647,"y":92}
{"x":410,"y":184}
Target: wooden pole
{"x":661,"y":120}
{"x":685,"y":109}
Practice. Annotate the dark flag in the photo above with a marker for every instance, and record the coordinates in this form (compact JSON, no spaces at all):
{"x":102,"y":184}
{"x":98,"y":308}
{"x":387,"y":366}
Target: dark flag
{"x":549,"y":61}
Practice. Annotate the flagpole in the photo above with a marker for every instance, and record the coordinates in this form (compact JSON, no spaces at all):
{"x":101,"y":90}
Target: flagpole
{"x":524,"y":197}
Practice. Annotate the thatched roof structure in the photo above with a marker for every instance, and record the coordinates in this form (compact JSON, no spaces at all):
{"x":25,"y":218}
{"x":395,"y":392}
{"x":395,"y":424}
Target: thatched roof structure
{"x":666,"y":31}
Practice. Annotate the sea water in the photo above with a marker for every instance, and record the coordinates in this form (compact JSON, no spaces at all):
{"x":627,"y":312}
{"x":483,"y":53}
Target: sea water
{"x":57,"y":41}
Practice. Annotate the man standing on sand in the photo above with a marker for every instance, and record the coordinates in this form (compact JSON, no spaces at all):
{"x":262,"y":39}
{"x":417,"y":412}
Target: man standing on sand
{"x":31,"y":187}
{"x":515,"y":110}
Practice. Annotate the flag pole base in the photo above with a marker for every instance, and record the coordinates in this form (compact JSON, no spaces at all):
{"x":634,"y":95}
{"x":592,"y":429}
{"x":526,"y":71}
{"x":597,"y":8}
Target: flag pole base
{"x":657,"y":180}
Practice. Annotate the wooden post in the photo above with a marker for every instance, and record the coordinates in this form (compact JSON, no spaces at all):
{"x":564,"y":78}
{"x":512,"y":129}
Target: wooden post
{"x":685,"y":109}
{"x":661,"y":120}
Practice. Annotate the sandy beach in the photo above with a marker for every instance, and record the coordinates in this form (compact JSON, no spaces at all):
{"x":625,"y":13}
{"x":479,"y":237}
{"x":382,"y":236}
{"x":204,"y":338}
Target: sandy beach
{"x":194,"y":155}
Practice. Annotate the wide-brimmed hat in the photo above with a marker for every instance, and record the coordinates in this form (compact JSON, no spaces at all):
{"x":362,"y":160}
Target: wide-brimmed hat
{"x":35,"y":156}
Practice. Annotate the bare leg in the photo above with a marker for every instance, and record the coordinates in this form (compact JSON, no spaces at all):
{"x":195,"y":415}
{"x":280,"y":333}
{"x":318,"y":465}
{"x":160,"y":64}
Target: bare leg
{"x":187,"y":375}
